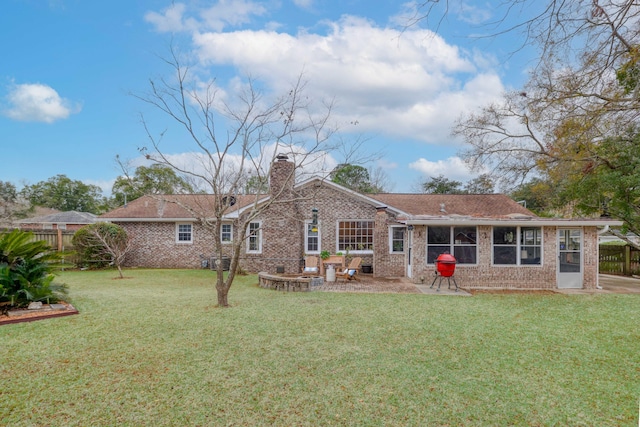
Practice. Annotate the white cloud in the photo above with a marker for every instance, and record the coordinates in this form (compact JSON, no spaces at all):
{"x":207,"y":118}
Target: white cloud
{"x":410,"y":85}
{"x":171,"y":20}
{"x":215,"y":18}
{"x":198,"y":164}
{"x":453,"y":168}
{"x":472,"y":14}
{"x":386,"y":164}
{"x":304,"y":4}
{"x":38,"y":103}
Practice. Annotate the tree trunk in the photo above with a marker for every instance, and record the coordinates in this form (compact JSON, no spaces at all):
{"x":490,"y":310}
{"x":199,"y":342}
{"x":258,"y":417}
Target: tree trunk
{"x":222,"y":287}
{"x":222,"y":297}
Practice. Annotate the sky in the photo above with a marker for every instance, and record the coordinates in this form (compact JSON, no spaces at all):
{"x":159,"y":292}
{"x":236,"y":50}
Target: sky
{"x":69,"y":71}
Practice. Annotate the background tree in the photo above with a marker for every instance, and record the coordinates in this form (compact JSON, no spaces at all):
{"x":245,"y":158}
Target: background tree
{"x":154,"y":179}
{"x":441,"y":185}
{"x":234,"y":138}
{"x":62,"y":193}
{"x":11,"y":206}
{"x":356,"y":178}
{"x":538,"y":195}
{"x":256,"y":185}
{"x":480,"y":185}
{"x":101,"y":244}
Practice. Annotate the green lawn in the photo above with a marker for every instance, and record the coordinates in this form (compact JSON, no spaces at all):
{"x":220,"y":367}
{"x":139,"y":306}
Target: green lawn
{"x":153,"y":350}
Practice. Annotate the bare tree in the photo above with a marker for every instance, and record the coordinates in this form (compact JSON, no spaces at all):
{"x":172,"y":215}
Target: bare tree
{"x":114,"y":245}
{"x":103,"y":243}
{"x":584,"y":88}
{"x":235,"y":140}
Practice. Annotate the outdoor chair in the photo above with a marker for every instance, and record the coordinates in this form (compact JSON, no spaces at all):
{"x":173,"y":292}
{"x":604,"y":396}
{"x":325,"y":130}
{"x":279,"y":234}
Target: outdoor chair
{"x":311,"y":265}
{"x":350,"y":273}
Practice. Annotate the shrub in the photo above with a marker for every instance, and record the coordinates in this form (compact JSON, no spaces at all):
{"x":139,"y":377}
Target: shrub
{"x":26,"y":270}
{"x":91,"y":241}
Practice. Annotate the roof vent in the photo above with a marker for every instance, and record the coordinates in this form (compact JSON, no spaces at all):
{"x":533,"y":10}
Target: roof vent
{"x":442,"y":209}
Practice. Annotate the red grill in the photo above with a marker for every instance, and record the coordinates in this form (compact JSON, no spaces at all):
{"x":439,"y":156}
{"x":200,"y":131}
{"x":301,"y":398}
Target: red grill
{"x":445,"y":267}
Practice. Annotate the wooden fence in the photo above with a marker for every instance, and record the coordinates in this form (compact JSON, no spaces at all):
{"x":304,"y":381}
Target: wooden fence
{"x":59,"y":240}
{"x":620,"y":260}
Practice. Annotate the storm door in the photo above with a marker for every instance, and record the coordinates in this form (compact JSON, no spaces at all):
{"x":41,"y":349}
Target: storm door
{"x":570,"y":258}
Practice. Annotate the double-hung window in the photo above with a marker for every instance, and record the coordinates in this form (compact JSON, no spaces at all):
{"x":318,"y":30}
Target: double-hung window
{"x":517,"y":245}
{"x":254,"y":243}
{"x":396,"y":237}
{"x":355,"y":236}
{"x":461,"y":242}
{"x":312,"y":238}
{"x":226,"y":233}
{"x":184,"y":233}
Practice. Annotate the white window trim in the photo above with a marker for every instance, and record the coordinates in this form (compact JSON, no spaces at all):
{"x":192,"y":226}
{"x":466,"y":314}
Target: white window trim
{"x":518,"y":247}
{"x":183,"y":242}
{"x":226,"y":242}
{"x":259,"y":235}
{"x":306,"y":238}
{"x":404,"y":240}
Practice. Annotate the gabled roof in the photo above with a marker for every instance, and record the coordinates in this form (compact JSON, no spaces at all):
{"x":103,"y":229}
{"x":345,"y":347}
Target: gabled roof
{"x":430,"y":209}
{"x":70,"y":217}
{"x":171,"y":207}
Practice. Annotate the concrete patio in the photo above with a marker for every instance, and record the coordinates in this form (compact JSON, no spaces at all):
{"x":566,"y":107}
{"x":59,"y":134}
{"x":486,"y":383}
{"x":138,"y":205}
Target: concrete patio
{"x":368,"y":284}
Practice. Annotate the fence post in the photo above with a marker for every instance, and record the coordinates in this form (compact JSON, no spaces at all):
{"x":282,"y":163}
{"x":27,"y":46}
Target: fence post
{"x":627,"y":260}
{"x":59,"y":239}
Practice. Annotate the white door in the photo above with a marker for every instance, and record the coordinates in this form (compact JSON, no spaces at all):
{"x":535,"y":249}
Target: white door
{"x":569,"y":258}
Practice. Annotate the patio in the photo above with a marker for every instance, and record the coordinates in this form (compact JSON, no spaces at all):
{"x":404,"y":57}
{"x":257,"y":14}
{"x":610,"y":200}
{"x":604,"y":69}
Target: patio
{"x":610,"y":284}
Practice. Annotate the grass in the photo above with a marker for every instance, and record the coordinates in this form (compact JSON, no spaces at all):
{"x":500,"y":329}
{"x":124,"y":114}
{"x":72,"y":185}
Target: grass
{"x":154,"y":350}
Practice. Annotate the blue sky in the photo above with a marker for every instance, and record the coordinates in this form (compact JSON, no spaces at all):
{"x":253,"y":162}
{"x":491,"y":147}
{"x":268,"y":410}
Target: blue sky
{"x":69,"y":68}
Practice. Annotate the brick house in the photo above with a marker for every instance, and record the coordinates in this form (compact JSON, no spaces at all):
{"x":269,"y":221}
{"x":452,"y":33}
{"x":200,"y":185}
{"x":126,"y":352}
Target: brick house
{"x":70,"y":220}
{"x":496,"y":241}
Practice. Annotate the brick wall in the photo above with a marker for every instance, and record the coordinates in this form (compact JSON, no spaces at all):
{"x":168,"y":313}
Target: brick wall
{"x":154,"y":245}
{"x":385,"y":263}
{"x":486,"y":275}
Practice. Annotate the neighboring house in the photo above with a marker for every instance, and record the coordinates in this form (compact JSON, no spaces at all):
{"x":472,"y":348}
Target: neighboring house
{"x":496,"y":241}
{"x":70,"y":221}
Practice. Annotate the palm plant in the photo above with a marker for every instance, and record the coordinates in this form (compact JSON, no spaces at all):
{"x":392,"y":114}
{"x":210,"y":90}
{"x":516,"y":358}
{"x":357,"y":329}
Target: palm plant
{"x":26,"y":271}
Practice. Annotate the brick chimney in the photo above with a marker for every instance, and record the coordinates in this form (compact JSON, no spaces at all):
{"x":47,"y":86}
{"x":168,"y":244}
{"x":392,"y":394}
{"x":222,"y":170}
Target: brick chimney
{"x":281,"y":177}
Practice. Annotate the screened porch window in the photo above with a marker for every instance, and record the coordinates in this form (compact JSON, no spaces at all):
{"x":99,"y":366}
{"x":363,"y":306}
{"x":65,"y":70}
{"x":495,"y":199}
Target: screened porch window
{"x":517,"y":245}
{"x":461,"y":242}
